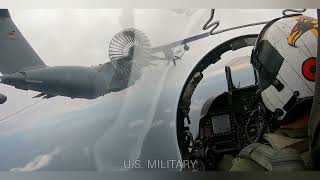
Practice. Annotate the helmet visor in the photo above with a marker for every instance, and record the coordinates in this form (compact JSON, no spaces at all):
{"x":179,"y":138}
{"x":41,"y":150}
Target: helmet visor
{"x":267,"y":62}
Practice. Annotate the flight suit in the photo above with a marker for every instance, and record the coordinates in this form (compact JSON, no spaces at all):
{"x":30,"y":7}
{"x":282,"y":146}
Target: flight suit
{"x":287,"y":150}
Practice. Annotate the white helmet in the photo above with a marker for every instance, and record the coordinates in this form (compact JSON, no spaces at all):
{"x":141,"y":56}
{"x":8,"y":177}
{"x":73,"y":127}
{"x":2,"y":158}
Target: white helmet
{"x":284,"y":59}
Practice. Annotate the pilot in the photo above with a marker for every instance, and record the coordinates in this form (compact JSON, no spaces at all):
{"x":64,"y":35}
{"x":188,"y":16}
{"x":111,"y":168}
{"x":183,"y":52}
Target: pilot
{"x":284,"y":59}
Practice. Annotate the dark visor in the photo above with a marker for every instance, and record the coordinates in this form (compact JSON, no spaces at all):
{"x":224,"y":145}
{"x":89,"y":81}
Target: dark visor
{"x":266,"y":61}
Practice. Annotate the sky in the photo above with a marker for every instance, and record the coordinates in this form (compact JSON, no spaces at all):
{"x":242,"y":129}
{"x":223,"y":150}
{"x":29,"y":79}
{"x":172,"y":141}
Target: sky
{"x":78,"y":134}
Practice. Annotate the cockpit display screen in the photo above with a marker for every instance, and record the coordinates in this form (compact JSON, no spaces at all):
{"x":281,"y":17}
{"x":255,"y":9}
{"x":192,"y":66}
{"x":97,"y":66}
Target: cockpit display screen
{"x":220,"y":124}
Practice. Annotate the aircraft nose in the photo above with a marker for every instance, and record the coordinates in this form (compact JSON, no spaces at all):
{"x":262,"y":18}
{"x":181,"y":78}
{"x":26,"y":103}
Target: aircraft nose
{"x":11,"y":78}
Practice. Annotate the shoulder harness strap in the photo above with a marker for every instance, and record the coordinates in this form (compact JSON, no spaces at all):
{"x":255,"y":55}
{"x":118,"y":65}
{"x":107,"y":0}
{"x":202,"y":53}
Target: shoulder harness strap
{"x":285,"y":159}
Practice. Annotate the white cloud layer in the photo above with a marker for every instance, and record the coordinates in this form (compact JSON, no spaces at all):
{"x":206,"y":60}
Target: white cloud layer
{"x":38,"y":162}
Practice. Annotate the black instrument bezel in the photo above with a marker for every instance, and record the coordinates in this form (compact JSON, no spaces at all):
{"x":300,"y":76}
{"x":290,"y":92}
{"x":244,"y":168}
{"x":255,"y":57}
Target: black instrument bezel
{"x":209,"y":59}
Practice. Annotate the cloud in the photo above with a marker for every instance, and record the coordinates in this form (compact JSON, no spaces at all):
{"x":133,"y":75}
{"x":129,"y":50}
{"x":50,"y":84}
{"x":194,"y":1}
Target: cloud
{"x":137,"y":123}
{"x":197,"y":104}
{"x":38,"y":162}
{"x":168,"y":110}
{"x":158,"y":123}
{"x":126,"y":18}
{"x":186,"y":12}
{"x":172,"y":124}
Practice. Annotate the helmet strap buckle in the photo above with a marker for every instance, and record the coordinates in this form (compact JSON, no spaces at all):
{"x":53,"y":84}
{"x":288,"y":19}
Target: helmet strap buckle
{"x":292,"y":100}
